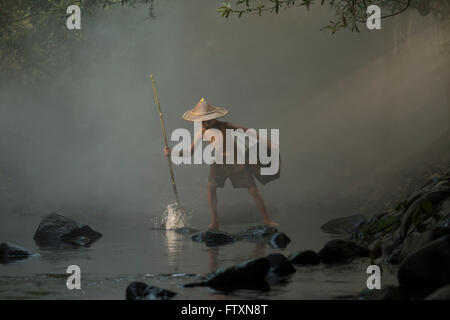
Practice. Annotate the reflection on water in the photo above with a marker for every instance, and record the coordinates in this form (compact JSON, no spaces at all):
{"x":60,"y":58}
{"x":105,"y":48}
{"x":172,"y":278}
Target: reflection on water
{"x":213,"y":254}
{"x":174,"y":245}
{"x":259,"y":250}
{"x":167,"y":259}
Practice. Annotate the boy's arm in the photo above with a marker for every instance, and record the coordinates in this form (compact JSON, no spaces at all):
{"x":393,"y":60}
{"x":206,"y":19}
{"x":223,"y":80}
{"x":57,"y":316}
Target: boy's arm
{"x":197,"y":137}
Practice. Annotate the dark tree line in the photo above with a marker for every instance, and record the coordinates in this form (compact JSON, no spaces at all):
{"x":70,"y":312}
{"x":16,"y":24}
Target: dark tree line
{"x":33,"y":40}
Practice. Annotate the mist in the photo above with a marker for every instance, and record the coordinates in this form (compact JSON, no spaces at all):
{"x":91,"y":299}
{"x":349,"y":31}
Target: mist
{"x":87,"y":142}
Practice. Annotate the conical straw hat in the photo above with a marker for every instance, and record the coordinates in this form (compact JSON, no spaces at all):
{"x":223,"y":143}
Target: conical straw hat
{"x":204,"y":111}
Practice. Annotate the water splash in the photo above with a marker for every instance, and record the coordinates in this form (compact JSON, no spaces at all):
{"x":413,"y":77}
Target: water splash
{"x":173,"y":217}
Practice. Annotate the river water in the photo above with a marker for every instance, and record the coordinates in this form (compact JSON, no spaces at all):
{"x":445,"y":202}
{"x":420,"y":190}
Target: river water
{"x":138,"y":252}
{"x":270,"y":72}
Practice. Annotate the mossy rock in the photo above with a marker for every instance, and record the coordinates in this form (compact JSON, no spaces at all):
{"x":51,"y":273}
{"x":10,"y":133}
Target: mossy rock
{"x":386,"y":224}
{"x":402,"y":205}
{"x":425,"y":210}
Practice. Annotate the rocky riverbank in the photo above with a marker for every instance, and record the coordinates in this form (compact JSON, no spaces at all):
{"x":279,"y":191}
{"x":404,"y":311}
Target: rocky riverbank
{"x":415,"y":235}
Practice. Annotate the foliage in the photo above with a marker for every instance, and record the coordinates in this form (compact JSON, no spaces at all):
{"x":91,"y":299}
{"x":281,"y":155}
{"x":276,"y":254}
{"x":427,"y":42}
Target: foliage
{"x":29,"y":33}
{"x":387,"y":223}
{"x":349,"y":14}
{"x":34,"y":39}
{"x":422,"y":212}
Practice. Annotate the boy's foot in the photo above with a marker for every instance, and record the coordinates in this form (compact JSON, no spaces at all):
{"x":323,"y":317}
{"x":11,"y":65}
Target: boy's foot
{"x":271,"y":223}
{"x":214,"y":226}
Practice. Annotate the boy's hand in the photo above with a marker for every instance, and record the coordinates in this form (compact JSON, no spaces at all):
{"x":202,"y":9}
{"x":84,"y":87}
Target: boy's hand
{"x":167,"y":151}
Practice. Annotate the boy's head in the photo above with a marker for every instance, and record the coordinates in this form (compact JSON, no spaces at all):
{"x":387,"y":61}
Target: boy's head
{"x":205,"y":111}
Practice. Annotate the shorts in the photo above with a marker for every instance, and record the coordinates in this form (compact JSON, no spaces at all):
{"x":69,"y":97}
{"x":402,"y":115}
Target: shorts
{"x":240,"y":175}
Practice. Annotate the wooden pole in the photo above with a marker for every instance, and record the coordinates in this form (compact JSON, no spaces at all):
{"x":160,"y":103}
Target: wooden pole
{"x":163,"y":128}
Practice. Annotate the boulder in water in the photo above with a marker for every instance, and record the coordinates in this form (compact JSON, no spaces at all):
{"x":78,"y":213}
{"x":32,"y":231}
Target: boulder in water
{"x":10,"y":252}
{"x":280,"y":265}
{"x":250,"y":274}
{"x":82,"y":236}
{"x":141,"y":291}
{"x":279,"y":240}
{"x":263,"y":234}
{"x":344,"y":225}
{"x":214,"y":238}
{"x":257,"y":233}
{"x":56,"y":228}
{"x":341,"y":251}
{"x":186,"y":230}
{"x":247,"y":275}
{"x":307,"y":257}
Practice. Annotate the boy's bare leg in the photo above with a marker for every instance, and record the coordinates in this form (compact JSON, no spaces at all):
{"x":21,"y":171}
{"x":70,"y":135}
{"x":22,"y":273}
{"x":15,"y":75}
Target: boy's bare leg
{"x":212,"y":202}
{"x":259,"y":201}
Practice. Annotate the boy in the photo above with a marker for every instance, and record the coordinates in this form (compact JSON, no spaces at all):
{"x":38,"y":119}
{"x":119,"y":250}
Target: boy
{"x":240,"y":175}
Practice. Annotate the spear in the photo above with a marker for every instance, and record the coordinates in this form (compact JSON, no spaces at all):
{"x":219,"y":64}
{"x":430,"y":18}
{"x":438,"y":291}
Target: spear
{"x":163,"y":127}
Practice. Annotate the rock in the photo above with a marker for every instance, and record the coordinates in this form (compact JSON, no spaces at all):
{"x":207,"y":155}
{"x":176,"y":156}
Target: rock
{"x":387,"y":243}
{"x":265,"y":234}
{"x":439,"y":231}
{"x":385,"y":293}
{"x":199,"y":237}
{"x":279,"y":240}
{"x":413,"y":242}
{"x":186,"y":230}
{"x":445,"y":222}
{"x":341,"y":251}
{"x":55,"y":228}
{"x":262,"y":234}
{"x":422,"y":207}
{"x":141,"y":291}
{"x":444,"y":209}
{"x":214,"y":238}
{"x":11,"y":252}
{"x":345,"y":225}
{"x":307,"y":257}
{"x":375,"y":252}
{"x":250,"y":274}
{"x":79,"y":241}
{"x":440,"y":294}
{"x":427,"y":268}
{"x":247,"y":275}
{"x":257,"y":233}
{"x":82,"y":236}
{"x":377,"y":227}
{"x":393,"y":257}
{"x":280,"y":265}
